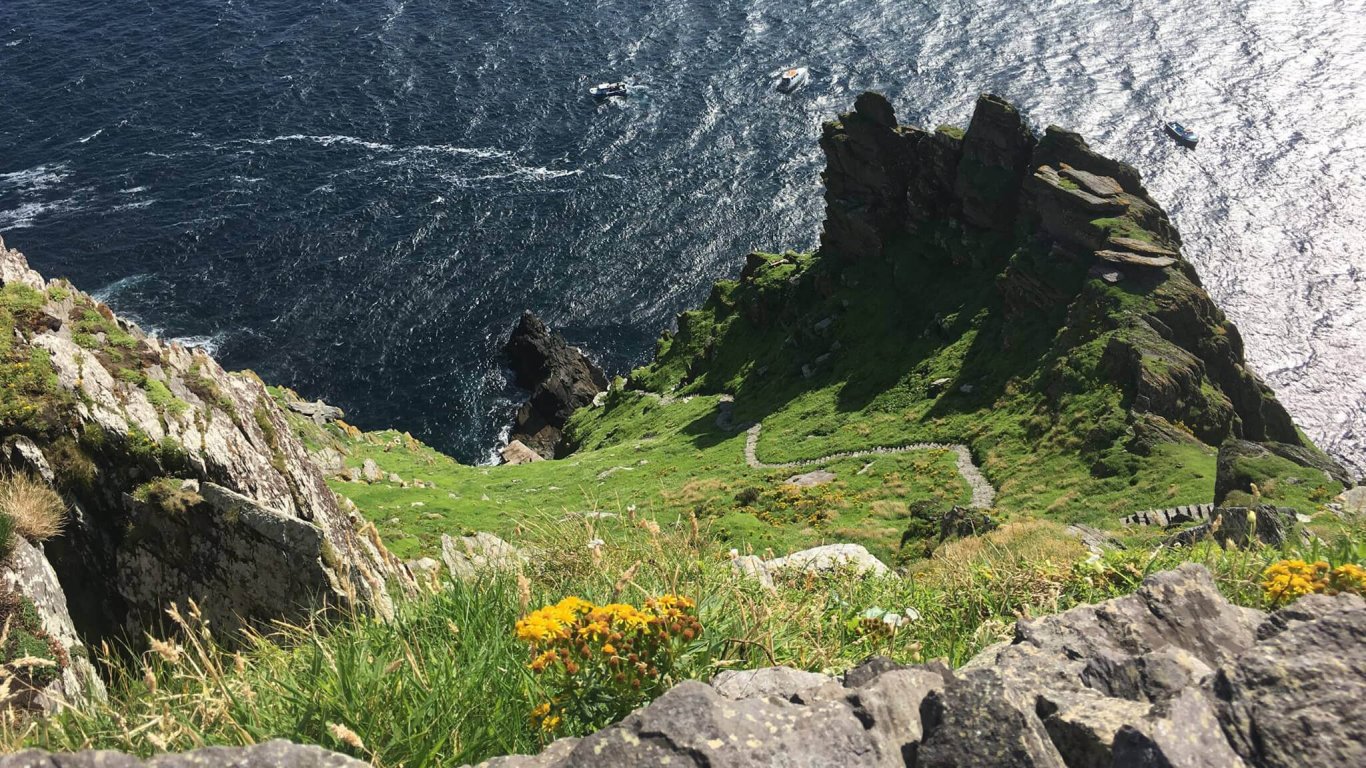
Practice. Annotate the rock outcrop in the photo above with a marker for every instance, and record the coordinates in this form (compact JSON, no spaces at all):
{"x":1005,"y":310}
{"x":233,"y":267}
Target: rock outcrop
{"x":1066,"y":256}
{"x":466,"y":557}
{"x":825,"y":559}
{"x":27,"y":575}
{"x":1173,"y":675}
{"x":183,"y":481}
{"x":560,"y":377}
{"x":1243,"y":464}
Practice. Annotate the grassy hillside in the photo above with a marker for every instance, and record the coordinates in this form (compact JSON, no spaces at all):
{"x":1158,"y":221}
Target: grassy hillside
{"x":831,"y":363}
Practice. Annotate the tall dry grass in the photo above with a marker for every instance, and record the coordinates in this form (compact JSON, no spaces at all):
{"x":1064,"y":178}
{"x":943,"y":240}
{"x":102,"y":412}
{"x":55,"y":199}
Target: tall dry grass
{"x":36,"y":512}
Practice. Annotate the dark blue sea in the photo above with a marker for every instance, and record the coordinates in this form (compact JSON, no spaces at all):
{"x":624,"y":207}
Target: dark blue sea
{"x":357,"y":199}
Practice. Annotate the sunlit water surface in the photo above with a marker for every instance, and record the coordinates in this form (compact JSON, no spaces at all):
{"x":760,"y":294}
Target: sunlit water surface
{"x":357,"y":199}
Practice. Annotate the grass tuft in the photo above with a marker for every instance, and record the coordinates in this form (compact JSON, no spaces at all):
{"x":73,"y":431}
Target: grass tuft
{"x":34,"y":510}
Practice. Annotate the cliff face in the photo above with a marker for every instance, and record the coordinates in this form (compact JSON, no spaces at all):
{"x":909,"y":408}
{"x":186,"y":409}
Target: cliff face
{"x":1037,"y":279}
{"x":183,"y":481}
{"x":1175,"y":353}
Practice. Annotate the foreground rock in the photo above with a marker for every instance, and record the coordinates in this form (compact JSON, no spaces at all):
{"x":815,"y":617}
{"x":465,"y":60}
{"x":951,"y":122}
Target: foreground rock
{"x":561,"y":378}
{"x":1173,"y":675}
{"x":272,"y":754}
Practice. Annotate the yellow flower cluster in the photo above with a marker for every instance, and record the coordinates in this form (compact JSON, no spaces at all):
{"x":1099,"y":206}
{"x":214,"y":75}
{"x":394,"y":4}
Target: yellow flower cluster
{"x":552,"y":622}
{"x":1286,"y":580}
{"x":1348,"y":577}
{"x":580,"y":650}
{"x":542,"y":718}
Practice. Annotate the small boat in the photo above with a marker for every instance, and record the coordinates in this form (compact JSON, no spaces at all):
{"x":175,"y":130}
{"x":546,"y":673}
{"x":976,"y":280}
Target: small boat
{"x":604,"y":91}
{"x":792,"y":79}
{"x":1183,"y":135}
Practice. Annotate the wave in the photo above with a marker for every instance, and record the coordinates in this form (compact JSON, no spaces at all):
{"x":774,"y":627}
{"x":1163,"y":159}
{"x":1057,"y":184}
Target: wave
{"x":133,"y":205}
{"x":332,"y":140}
{"x":210,"y":344}
{"x":26,"y":214}
{"x":36,"y":178}
{"x":117,"y":287}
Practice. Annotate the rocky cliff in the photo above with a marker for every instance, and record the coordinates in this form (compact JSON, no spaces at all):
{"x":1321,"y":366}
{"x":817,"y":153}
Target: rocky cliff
{"x":1164,"y":340}
{"x":1001,"y":287}
{"x":182,"y":482}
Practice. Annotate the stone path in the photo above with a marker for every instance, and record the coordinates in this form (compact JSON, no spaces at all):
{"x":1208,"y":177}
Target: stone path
{"x":1165,"y":517}
{"x":983,"y":493}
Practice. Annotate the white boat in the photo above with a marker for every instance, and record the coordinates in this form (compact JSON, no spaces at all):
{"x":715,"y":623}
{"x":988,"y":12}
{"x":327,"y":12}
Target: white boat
{"x":792,"y":79}
{"x":603,"y":91}
{"x":1182,"y":134}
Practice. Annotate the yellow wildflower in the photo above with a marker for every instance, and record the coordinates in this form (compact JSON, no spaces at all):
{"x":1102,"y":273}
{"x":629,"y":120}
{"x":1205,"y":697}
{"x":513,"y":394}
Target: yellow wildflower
{"x":1348,"y":577}
{"x":1286,"y":580}
{"x":575,"y":605}
{"x":628,"y":615}
{"x":671,"y":606}
{"x":596,"y":628}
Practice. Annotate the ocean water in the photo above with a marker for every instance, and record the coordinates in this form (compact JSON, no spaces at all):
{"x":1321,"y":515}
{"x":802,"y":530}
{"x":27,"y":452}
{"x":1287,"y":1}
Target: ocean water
{"x":358,"y":199}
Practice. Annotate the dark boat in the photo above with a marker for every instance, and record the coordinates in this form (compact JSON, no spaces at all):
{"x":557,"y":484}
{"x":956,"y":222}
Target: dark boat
{"x":1183,"y":135}
{"x":604,"y":91}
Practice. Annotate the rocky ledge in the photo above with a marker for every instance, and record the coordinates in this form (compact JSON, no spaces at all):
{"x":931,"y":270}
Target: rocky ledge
{"x":1173,"y":675}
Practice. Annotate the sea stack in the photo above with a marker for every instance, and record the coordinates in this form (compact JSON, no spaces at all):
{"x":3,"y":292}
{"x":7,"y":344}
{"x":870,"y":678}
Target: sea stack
{"x":561,"y":380}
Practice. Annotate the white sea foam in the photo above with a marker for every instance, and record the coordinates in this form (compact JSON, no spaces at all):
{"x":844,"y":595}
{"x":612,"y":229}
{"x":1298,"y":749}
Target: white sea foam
{"x":112,"y":290}
{"x":23,"y":216}
{"x":332,"y":140}
{"x":136,"y":204}
{"x":91,"y":136}
{"x":36,"y":178}
{"x":210,"y":344}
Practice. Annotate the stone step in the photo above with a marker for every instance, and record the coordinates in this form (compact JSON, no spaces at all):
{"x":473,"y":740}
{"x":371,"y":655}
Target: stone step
{"x":1167,"y":516}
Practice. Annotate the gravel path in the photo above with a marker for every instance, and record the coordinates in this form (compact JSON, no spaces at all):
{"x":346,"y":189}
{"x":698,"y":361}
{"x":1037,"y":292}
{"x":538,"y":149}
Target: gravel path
{"x":983,"y":493}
